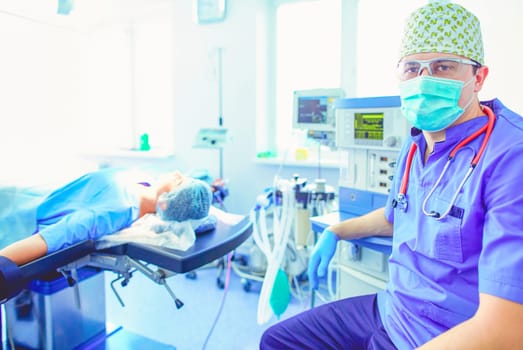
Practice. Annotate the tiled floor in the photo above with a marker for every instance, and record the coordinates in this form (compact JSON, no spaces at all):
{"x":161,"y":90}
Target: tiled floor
{"x":150,"y":311}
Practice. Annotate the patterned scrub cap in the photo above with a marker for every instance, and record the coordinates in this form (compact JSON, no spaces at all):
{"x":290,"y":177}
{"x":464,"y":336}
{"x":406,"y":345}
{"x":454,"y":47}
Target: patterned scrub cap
{"x":443,"y":27}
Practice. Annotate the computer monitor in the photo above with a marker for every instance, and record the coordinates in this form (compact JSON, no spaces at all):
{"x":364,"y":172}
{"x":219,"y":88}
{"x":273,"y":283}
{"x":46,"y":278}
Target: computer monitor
{"x":314,"y":109}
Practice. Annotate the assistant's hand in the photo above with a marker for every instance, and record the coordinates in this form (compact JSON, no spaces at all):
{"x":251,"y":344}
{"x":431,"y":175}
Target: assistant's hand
{"x":321,"y":256}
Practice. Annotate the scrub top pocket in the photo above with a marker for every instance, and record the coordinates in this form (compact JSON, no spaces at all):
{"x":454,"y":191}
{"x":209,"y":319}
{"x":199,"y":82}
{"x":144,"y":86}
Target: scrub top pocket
{"x":445,"y":234}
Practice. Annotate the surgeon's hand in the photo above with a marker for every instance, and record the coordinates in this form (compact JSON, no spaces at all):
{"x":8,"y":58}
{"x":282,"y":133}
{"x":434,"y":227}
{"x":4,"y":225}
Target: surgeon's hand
{"x":321,"y":256}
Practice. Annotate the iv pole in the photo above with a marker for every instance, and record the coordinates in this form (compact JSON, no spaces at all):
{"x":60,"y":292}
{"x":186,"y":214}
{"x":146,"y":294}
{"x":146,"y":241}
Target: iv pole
{"x":220,"y":106}
{"x":215,"y":137}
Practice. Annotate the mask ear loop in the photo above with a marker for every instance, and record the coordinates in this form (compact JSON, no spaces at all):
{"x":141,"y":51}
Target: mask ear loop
{"x":467,"y":105}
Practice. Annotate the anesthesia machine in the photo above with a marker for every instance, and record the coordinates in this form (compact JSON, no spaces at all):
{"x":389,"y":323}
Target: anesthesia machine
{"x":369,"y":135}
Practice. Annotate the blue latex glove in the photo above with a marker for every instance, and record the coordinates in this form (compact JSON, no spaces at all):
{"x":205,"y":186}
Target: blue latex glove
{"x":321,"y":256}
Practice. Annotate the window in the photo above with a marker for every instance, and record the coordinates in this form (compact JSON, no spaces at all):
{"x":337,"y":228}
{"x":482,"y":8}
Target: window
{"x":377,"y":49}
{"x":307,"y":56}
{"x":153,"y":79}
{"x":130,"y":84}
{"x":315,"y":44}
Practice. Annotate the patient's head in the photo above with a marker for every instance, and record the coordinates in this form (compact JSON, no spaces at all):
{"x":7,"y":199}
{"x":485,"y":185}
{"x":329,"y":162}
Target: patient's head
{"x":189,"y":200}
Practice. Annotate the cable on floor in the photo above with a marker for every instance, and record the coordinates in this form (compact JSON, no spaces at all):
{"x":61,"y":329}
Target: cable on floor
{"x":225,"y":290}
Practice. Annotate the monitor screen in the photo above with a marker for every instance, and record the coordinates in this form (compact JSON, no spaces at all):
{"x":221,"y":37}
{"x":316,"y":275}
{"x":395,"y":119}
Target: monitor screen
{"x":314,"y":109}
{"x":368,"y":126}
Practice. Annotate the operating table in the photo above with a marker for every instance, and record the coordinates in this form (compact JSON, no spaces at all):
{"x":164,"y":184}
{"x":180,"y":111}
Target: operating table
{"x":126,"y":258}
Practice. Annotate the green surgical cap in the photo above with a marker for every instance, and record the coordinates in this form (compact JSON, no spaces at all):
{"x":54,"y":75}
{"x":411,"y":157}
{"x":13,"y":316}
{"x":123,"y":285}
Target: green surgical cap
{"x":443,"y":27}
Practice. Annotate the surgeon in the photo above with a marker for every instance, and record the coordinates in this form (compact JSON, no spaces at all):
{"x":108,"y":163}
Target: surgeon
{"x":454,"y":211}
{"x":104,"y":202}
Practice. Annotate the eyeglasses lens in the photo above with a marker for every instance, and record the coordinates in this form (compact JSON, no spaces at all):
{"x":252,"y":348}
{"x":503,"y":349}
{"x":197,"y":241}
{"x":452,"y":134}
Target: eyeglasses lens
{"x":437,"y":68}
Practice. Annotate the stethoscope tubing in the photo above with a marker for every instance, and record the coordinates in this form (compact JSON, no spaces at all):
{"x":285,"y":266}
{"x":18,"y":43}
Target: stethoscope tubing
{"x":435,"y":214}
{"x":402,"y":195}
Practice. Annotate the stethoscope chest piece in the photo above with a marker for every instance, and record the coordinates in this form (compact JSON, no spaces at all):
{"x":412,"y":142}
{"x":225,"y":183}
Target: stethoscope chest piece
{"x":400,"y":202}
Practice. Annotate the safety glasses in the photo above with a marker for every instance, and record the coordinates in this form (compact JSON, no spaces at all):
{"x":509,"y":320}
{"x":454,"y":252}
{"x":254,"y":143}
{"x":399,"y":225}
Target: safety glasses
{"x":448,"y":67}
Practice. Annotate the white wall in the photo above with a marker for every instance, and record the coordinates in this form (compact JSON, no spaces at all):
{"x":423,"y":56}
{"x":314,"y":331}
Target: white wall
{"x":501,"y":25}
{"x":196,"y":99}
{"x":196,"y":91}
{"x":41,"y":107}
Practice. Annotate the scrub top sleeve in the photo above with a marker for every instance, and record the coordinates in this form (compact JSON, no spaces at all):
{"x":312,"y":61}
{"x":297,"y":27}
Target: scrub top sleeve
{"x":83,"y":225}
{"x":501,"y":260}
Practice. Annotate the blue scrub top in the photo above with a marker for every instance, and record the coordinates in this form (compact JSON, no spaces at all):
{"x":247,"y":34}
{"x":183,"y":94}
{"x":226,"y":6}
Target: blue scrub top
{"x":438,"y":268}
{"x":96,"y":204}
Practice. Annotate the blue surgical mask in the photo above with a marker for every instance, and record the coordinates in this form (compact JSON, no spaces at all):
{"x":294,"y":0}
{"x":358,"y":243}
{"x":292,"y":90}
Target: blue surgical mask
{"x":430,"y":103}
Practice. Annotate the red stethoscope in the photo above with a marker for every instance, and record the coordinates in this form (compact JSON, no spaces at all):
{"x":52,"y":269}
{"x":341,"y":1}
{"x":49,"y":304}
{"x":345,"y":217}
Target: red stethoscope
{"x":401,"y":201}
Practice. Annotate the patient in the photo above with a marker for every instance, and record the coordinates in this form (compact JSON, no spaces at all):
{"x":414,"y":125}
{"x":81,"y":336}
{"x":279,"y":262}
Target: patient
{"x":104,"y":202}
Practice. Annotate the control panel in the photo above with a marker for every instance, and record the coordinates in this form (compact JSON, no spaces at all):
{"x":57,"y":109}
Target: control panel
{"x":369,"y":132}
{"x":370,"y":122}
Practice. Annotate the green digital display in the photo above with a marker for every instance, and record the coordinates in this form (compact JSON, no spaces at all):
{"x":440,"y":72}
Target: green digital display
{"x":368,"y":126}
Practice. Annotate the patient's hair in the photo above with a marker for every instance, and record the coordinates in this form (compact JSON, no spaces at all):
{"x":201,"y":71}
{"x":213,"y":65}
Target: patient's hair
{"x":191,"y":201}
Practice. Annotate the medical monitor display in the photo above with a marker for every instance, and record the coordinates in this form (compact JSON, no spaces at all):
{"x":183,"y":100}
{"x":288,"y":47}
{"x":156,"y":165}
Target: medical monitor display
{"x":368,"y":126}
{"x":313,"y":109}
